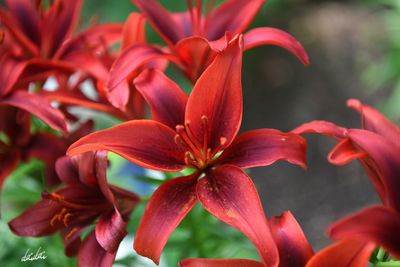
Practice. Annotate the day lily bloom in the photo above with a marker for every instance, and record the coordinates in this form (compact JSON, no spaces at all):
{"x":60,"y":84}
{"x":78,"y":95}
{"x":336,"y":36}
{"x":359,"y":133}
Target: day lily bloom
{"x":199,"y":132}
{"x":194,"y":39}
{"x":85,"y":198}
{"x":294,"y":249}
{"x":377,"y":147}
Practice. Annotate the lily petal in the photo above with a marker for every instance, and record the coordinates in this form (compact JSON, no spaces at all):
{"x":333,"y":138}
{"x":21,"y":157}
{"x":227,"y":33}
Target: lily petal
{"x":166,"y":100}
{"x":272,"y":36}
{"x":167,"y":207}
{"x":374,"y":121}
{"x":376,"y":224}
{"x":38,"y":107}
{"x":93,"y":255}
{"x":35,"y":221}
{"x":294,"y":249}
{"x":231,"y":16}
{"x":149,"y":144}
{"x":8,"y":163}
{"x":230,"y":195}
{"x":161,"y":20}
{"x":263,"y":147}
{"x":219,"y":263}
{"x":134,"y":30}
{"x":387,"y":161}
{"x":217,"y":98}
{"x":347,"y":253}
{"x":11,"y":70}
{"x":129,"y":64}
{"x":344,"y":152}
{"x":110,"y":230}
{"x":322,"y":127}
{"x":196,"y":54}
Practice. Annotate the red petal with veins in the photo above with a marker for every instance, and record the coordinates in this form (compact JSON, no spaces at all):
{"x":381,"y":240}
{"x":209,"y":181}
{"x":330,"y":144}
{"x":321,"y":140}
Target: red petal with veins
{"x":376,"y":224}
{"x":161,"y":20}
{"x":374,"y":121}
{"x":134,"y":30}
{"x":386,"y":158}
{"x":8,"y":163}
{"x":110,"y":230}
{"x":93,"y":255}
{"x":272,"y":36}
{"x":231,"y":16}
{"x":129,"y":64}
{"x":344,"y":152}
{"x":217,"y":95}
{"x":347,"y":253}
{"x":59,"y":22}
{"x":230,"y":195}
{"x":26,"y":25}
{"x":167,"y":207}
{"x":294,"y":249}
{"x":11,"y":70}
{"x":219,"y":263}
{"x":39,"y":107}
{"x":196,"y":55}
{"x":67,"y":171}
{"x":166,"y":100}
{"x":263,"y":147}
{"x":322,"y":127}
{"x":149,"y":144}
{"x":35,"y":221}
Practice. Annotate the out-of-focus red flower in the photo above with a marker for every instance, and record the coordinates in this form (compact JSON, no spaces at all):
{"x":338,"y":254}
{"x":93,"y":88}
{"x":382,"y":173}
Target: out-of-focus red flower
{"x":86,"y":198}
{"x":294,"y":249}
{"x":377,"y":147}
{"x":194,"y":39}
{"x":199,"y":132}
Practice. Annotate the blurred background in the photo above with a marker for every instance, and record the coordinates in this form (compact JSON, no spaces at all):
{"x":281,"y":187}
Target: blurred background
{"x":354,"y":48}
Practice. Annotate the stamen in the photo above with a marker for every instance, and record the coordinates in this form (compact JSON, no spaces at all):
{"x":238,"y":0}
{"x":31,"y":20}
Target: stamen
{"x":204,"y":120}
{"x":58,"y":217}
{"x":66,"y":219}
{"x":71,"y":232}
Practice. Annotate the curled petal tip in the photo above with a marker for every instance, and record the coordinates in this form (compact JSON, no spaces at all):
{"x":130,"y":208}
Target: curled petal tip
{"x":354,"y":104}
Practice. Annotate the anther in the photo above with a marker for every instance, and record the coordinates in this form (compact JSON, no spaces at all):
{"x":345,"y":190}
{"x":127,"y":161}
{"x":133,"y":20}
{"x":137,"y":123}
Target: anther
{"x":71,"y":232}
{"x":66,"y":219}
{"x":222,"y":140}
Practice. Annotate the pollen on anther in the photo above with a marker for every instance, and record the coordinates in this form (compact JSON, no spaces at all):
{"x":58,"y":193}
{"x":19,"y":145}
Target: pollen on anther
{"x":222,"y":140}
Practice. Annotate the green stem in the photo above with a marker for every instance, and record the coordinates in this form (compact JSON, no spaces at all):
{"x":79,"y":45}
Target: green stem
{"x":388,"y":264}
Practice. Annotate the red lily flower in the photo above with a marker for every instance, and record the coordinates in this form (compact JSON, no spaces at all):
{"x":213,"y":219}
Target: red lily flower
{"x":294,"y":249}
{"x":194,"y":39}
{"x":377,"y":148}
{"x":85,"y":198}
{"x":96,"y":68}
{"x":192,"y":132}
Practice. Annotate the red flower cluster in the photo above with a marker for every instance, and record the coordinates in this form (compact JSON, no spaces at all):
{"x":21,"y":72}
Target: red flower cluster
{"x":197,"y":133}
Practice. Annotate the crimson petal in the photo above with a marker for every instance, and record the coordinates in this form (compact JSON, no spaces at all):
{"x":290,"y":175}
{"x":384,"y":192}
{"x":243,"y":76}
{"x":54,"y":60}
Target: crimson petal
{"x":347,"y":253}
{"x":38,"y":107}
{"x":230,"y":195}
{"x":385,"y":155}
{"x":167,"y":207}
{"x":322,"y":127}
{"x":128,"y":65}
{"x":263,"y":147}
{"x":376,"y":224}
{"x":219,"y":263}
{"x":217,"y":95}
{"x":231,"y":16}
{"x":11,"y":70}
{"x":196,"y":54}
{"x":149,"y":144}
{"x":93,"y":255}
{"x":344,"y":152}
{"x":134,"y":30}
{"x":110,"y":230}
{"x":272,"y":36}
{"x":161,"y":20}
{"x":374,"y":121}
{"x":8,"y":163}
{"x":294,"y":249}
{"x":166,"y":100}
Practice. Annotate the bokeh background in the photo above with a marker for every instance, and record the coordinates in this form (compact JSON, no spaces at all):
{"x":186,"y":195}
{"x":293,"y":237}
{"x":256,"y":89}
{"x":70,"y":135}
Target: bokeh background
{"x":354,"y":47}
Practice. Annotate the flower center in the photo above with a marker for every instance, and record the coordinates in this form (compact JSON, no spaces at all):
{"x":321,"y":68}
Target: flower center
{"x":198,"y":153}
